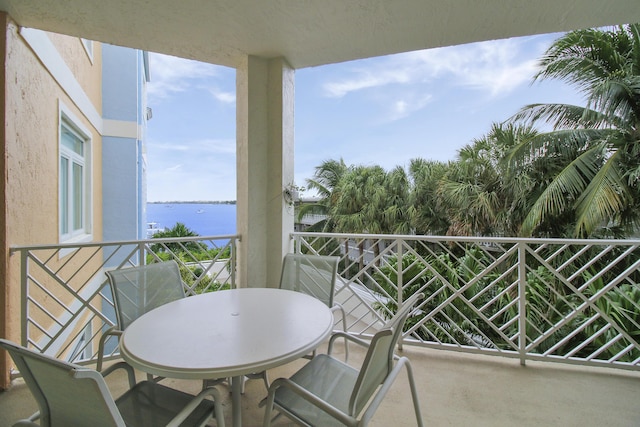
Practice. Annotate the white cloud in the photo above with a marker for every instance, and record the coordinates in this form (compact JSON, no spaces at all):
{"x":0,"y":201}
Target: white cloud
{"x":192,"y":169}
{"x":495,"y":67}
{"x":170,"y":75}
{"x":224,"y":97}
{"x":405,"y":106}
{"x":364,"y":79}
{"x":197,"y":147}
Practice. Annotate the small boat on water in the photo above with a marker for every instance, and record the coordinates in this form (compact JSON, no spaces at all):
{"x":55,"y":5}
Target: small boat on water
{"x":153,"y":228}
{"x":200,"y":211}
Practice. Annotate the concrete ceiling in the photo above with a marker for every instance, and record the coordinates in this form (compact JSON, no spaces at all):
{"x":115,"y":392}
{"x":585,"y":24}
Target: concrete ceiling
{"x":310,"y":32}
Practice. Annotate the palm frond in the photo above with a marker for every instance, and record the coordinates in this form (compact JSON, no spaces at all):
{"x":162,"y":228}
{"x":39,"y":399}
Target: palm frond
{"x":560,"y":194}
{"x":603,"y":198}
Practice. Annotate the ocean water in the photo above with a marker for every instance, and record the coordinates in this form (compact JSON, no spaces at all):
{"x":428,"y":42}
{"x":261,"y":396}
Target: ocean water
{"x":206,"y":219}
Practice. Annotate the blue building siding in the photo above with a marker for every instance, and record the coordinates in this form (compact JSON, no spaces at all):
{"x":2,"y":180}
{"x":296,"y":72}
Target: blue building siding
{"x":124,"y":77}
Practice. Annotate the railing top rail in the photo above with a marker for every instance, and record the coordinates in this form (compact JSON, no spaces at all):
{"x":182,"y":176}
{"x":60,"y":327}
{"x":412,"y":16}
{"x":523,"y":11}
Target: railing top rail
{"x":17,"y":248}
{"x":472,"y":238}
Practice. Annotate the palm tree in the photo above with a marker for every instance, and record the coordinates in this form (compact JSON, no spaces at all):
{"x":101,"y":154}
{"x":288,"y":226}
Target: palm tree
{"x":480,"y":194}
{"x":325,"y":180}
{"x":178,"y":230}
{"x":599,"y":145}
{"x":396,"y":214}
{"x":369,"y":200}
{"x":428,"y":215}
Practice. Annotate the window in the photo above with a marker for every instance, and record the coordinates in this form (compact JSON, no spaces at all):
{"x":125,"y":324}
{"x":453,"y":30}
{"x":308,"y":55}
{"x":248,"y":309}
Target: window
{"x":82,"y":349}
{"x":88,"y":47}
{"x":74,"y":181}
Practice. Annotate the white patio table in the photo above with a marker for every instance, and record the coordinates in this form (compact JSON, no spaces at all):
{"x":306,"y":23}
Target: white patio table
{"x":226,"y":334}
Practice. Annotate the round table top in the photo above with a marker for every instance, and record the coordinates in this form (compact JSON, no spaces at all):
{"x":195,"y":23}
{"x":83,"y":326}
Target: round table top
{"x":226,"y":333}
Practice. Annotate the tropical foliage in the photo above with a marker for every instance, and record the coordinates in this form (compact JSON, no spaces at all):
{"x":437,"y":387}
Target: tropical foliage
{"x":552,"y":170}
{"x":597,"y":146}
{"x":188,"y":255}
{"x":470,"y":303}
{"x":580,"y":179}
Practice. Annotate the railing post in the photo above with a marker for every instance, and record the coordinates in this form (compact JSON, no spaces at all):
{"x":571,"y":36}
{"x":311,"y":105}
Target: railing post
{"x":232,"y":260}
{"x":24,"y":286}
{"x":522,"y":302}
{"x":297,"y":247}
{"x":400,"y":281}
{"x":141,"y":257}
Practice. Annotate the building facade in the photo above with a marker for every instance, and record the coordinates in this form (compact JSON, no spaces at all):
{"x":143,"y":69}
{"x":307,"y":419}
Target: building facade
{"x":73,"y":145}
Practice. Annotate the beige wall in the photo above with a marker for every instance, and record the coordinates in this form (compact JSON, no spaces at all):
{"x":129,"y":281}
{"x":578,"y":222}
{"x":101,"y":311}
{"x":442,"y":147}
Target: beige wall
{"x":32,"y":99}
{"x":264,"y":138}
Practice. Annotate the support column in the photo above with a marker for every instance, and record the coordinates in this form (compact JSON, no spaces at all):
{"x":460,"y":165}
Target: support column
{"x":265,"y":104}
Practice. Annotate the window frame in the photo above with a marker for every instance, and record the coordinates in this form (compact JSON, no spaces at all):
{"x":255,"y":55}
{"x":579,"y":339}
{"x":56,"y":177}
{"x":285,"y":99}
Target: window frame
{"x":70,"y":123}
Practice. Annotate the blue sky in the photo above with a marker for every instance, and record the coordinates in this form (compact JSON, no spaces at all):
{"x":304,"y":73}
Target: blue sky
{"x":380,"y":111}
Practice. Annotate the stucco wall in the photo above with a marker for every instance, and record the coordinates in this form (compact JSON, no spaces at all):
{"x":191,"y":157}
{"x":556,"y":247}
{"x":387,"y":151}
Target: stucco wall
{"x":32,"y":103}
{"x":87,"y":71}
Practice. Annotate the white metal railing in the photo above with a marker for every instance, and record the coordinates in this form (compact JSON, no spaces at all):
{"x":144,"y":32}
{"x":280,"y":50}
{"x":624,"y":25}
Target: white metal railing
{"x":572,"y":301}
{"x":66,"y":302}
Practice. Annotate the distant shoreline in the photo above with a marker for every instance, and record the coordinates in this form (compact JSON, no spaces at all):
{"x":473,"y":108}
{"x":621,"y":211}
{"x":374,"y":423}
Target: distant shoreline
{"x":197,"y":202}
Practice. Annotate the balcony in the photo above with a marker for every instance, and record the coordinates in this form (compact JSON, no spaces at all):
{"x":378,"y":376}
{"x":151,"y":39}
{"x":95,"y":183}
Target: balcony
{"x":455,"y":389}
{"x":512,"y":331}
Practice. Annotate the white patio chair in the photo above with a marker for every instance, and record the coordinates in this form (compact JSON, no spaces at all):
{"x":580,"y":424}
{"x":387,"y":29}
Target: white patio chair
{"x":73,"y":395}
{"x":137,"y":290}
{"x":327,"y":391}
{"x":314,"y":275}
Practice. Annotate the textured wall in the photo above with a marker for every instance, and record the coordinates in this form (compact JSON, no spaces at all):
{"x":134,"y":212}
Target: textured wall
{"x":31,"y":123}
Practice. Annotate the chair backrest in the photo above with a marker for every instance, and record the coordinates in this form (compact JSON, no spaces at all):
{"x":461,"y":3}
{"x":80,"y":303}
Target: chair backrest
{"x":137,"y":290}
{"x":313,"y":275}
{"x":67,"y":394}
{"x":378,"y":361}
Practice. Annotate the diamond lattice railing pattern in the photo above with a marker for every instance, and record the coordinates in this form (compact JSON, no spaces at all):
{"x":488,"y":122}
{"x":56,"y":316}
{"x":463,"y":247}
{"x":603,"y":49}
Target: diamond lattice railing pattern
{"x":574,"y":301}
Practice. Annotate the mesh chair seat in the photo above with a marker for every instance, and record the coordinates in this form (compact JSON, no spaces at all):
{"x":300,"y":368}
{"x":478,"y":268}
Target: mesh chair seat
{"x":151,"y":404}
{"x":137,"y":290}
{"x":327,"y":391}
{"x":73,"y":395}
{"x":313,"y":275}
{"x":325,"y":377}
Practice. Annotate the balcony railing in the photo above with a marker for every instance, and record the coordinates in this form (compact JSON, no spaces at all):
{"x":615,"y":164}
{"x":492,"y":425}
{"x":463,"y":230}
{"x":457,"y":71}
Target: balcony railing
{"x":571,"y":301}
{"x":66,"y":302}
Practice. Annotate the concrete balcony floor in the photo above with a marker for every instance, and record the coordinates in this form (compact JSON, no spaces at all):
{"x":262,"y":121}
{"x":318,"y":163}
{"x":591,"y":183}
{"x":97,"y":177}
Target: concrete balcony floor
{"x":455,"y":390}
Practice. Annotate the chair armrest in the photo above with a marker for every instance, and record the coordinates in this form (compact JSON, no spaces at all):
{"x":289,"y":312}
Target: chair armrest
{"x":309,"y":397}
{"x":348,"y":337}
{"x":193,"y":404}
{"x":375,"y":402}
{"x":112,"y":331}
{"x":29,"y":422}
{"x":25,"y":423}
{"x":121,"y":365}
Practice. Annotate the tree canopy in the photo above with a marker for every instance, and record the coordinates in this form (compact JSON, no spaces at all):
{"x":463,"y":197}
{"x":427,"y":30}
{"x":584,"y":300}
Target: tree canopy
{"x":579,"y":179}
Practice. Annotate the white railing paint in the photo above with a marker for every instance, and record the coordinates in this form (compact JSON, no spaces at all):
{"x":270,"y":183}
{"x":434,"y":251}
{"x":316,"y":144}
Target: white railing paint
{"x":532,"y":299}
{"x":64,"y":296}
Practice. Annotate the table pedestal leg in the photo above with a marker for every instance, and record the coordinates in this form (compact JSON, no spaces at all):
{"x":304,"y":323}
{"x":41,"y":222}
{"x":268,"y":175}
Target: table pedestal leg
{"x":236,"y":401}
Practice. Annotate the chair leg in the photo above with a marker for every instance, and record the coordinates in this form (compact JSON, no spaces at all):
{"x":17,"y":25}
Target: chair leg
{"x":100,"y":352}
{"x":346,"y":342}
{"x":265,"y":378}
{"x":414,"y":393}
{"x":338,"y":307}
{"x":268,"y":409}
{"x":101,"y":343}
{"x":217,"y":406}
